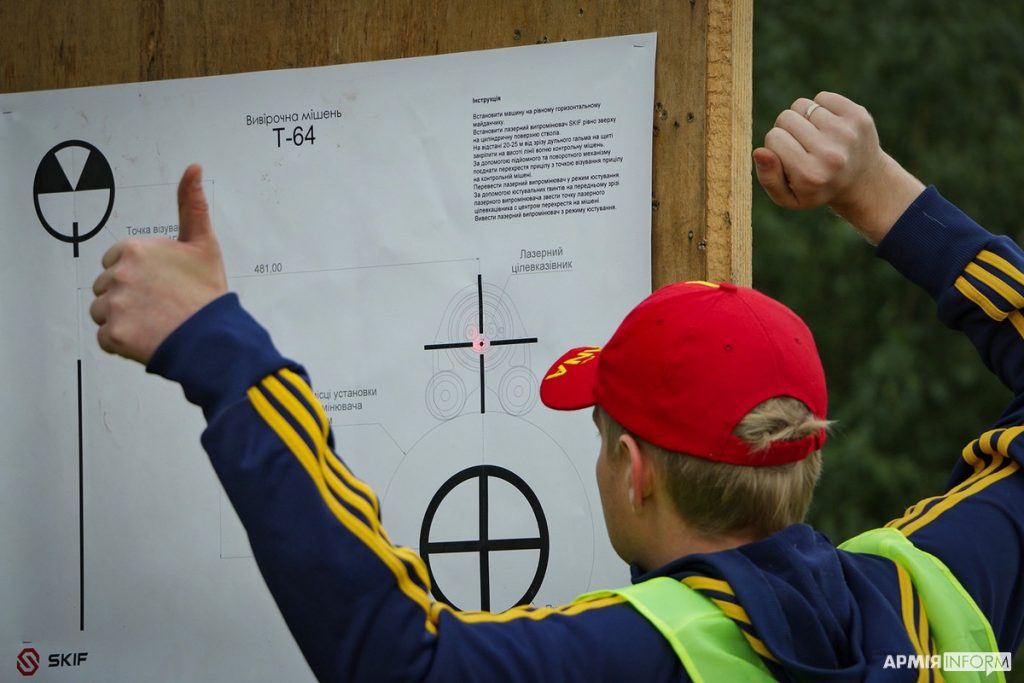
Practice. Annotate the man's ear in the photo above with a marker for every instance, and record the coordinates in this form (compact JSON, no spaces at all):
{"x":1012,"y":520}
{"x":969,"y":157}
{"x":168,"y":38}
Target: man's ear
{"x":639,"y":473}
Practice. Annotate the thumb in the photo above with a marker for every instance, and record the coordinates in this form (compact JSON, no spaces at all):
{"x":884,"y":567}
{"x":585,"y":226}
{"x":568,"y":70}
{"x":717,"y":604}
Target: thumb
{"x":773,"y":179}
{"x":193,"y":210}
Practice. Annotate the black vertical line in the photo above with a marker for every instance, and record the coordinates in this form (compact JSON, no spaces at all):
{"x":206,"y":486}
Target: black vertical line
{"x":480,"y":303}
{"x":480,"y":331}
{"x":81,"y":501}
{"x":485,"y":562}
{"x":74,"y":237}
{"x":482,"y":387}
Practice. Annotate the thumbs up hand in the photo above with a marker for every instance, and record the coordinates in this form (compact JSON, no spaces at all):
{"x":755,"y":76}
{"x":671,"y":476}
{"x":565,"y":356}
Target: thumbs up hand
{"x":150,"y":287}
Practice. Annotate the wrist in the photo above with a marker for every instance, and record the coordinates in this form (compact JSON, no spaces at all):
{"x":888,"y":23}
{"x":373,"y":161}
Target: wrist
{"x":217,"y":354}
{"x":880,"y":199}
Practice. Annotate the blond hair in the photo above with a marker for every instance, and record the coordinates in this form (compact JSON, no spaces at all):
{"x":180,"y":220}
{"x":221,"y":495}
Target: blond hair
{"x":718,"y":498}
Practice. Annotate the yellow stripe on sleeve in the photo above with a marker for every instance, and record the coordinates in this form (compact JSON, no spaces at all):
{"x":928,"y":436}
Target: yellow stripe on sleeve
{"x":335,"y":462}
{"x":307,"y":393}
{"x":367,"y":504}
{"x":913,"y":510}
{"x":972,"y":293}
{"x":971,"y":458}
{"x":1008,"y":269}
{"x":286,"y":433}
{"x":1017,"y":320}
{"x":537,"y":613}
{"x":997,"y":471}
{"x":968,"y":453}
{"x":1004,"y":290}
{"x":326,"y":454}
{"x":301,"y":414}
{"x":1003,"y":444}
{"x":375,"y":543}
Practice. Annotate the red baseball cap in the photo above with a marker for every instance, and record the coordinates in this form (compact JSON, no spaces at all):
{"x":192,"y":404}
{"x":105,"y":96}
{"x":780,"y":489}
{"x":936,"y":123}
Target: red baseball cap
{"x":688,"y":363}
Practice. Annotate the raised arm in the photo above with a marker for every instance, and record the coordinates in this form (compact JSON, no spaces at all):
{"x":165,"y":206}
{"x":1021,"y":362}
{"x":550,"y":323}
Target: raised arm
{"x":826,"y":152}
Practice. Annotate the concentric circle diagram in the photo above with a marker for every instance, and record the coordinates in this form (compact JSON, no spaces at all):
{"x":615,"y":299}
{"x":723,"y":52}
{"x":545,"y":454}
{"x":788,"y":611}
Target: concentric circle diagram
{"x":518,"y":391}
{"x":73,"y":191}
{"x":446,"y":395}
{"x":462,"y":321}
{"x":479,"y":337}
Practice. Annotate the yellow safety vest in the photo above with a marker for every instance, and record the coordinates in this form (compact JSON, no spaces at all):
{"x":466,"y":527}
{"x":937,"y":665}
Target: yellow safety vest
{"x":712,"y":648}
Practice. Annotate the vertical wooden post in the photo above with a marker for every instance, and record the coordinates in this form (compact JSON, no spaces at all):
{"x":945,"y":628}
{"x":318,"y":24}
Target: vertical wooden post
{"x":729,"y":106}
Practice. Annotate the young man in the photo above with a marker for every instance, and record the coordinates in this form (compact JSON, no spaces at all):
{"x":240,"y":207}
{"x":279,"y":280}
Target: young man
{"x":710,"y":400}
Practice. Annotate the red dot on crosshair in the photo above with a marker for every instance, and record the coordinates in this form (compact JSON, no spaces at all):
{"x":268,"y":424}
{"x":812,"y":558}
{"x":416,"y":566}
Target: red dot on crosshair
{"x":480,"y":343}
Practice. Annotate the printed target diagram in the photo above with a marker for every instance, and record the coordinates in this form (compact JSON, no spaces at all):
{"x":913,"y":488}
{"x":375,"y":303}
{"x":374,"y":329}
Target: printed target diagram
{"x":481,"y":326}
{"x":424,"y":317}
{"x":492,"y":502}
{"x":73,"y":192}
{"x":73,"y":196}
{"x":484,"y":545}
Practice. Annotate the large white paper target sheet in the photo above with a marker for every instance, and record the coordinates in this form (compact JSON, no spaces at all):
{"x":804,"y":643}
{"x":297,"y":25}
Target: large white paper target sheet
{"x":425,"y":235}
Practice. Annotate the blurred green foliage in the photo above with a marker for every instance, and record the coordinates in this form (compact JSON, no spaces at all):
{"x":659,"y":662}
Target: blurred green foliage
{"x":944,"y":81}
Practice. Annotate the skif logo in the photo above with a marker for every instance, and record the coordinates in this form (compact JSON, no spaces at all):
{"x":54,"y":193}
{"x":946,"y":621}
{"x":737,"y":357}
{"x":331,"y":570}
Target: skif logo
{"x":67,"y":659}
{"x":28,"y":661}
{"x":584,"y":355}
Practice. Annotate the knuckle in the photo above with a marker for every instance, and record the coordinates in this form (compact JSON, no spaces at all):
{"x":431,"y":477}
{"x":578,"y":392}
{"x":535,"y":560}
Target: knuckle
{"x":834,"y":159}
{"x":116,"y":306}
{"x":808,"y":183}
{"x":115,"y":336}
{"x":103,"y":338}
{"x":785,"y":116}
{"x":119,"y":275}
{"x":773,"y":135}
{"x":862,"y":119}
{"x":131,"y":248}
{"x":811,"y":178}
{"x":846,"y":132}
{"x":95,"y":309}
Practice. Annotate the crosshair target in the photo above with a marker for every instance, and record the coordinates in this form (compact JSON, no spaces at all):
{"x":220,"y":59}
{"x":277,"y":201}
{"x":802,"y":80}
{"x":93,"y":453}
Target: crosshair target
{"x":463,"y":322}
{"x":483,"y":546}
{"x":479,"y":347}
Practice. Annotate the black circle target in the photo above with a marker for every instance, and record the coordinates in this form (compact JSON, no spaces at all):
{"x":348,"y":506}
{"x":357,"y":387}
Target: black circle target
{"x":485,"y":545}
